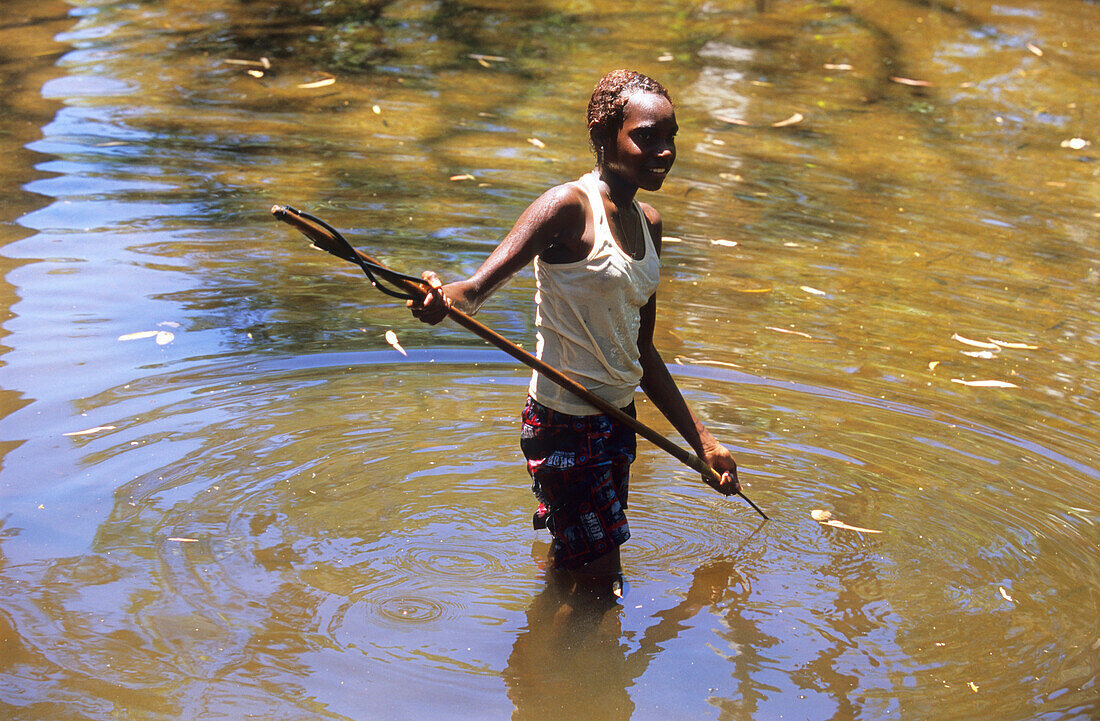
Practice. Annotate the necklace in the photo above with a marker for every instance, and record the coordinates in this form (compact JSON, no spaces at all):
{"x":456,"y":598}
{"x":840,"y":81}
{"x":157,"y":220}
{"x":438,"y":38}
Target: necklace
{"x":631,"y":245}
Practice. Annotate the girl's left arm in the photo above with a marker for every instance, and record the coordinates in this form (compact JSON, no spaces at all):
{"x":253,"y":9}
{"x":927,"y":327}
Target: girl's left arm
{"x":659,"y":386}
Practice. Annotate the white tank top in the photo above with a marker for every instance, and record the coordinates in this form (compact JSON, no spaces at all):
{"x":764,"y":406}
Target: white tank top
{"x":588,"y":315}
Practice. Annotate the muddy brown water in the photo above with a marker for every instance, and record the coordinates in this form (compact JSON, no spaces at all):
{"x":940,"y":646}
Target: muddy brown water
{"x":886,"y":306}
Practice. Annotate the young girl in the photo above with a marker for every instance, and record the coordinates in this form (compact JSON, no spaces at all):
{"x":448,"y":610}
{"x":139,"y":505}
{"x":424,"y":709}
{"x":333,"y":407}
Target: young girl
{"x":596,"y":253}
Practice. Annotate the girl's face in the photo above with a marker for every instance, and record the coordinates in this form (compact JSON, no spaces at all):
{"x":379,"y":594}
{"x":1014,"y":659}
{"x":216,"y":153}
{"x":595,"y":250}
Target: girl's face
{"x":645,"y":148}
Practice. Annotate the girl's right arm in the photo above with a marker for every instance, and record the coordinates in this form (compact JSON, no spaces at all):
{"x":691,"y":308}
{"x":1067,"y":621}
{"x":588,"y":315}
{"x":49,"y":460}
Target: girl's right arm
{"x":555,"y":220}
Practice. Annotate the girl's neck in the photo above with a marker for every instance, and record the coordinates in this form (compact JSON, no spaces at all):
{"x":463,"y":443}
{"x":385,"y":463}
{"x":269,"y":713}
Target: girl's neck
{"x":618,"y":191}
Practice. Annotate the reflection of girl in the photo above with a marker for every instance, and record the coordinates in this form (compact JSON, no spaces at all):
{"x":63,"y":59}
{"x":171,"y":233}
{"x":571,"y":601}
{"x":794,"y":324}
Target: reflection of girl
{"x":596,"y":253}
{"x":572,"y":661}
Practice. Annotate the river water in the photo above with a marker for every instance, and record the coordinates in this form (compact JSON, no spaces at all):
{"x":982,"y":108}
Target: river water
{"x":223,"y":494}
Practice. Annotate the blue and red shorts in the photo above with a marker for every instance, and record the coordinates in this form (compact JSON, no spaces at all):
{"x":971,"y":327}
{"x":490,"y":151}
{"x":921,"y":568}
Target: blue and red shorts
{"x":580,"y":467}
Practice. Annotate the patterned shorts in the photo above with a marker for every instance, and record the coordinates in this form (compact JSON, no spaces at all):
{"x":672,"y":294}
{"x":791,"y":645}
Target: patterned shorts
{"x":579,"y":467}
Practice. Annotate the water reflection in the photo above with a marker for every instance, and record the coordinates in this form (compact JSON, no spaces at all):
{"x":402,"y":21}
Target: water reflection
{"x":265,"y":554}
{"x":573,"y":656}
{"x":571,"y":659}
{"x":282,"y":524}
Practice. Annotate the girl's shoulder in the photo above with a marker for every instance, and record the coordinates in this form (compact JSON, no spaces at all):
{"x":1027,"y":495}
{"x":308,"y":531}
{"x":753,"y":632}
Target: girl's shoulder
{"x":562,"y":206}
{"x":651,"y":214}
{"x":568,"y":197}
{"x":559,"y":220}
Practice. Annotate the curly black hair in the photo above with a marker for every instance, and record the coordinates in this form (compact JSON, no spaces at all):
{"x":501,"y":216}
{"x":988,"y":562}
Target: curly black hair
{"x":605,"y":107}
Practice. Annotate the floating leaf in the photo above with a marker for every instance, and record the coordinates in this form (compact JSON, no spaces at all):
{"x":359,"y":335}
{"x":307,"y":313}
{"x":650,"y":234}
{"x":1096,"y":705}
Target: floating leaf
{"x":1076,"y":143}
{"x":825,"y":518}
{"x":792,"y":332}
{"x":837,"y":66}
{"x":463,"y":176}
{"x":180,"y":539}
{"x":679,"y":360}
{"x":985,"y":384}
{"x":932,"y":365}
{"x":139,"y":335}
{"x":986,"y":354}
{"x":90,"y":431}
{"x":391,"y":338}
{"x":537,"y":143}
{"x":164,"y":337}
{"x":793,"y":120}
{"x":249,"y":63}
{"x":670,"y":239}
{"x":724,"y":242}
{"x":486,"y":59}
{"x":1004,"y":594}
{"x":973,"y":686}
{"x":324,"y":82}
{"x":666,"y":58}
{"x":846,"y":527}
{"x":732,"y":120}
{"x":1035,"y":49}
{"x":812,"y":291}
{"x":376,"y":109}
{"x":169,"y":324}
{"x":910,"y":82}
{"x":1008,"y":344}
{"x":747,"y":285}
{"x":975,"y":343}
